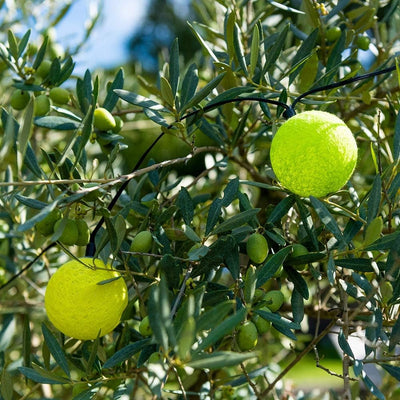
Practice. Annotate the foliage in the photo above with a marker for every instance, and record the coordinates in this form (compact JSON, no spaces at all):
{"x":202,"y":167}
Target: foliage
{"x":196,"y":285}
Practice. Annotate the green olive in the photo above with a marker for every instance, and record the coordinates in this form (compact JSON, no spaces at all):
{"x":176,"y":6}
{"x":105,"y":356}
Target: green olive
{"x":257,"y":248}
{"x":333,"y":33}
{"x":59,"y":95}
{"x":69,"y":234}
{"x":19,"y":99}
{"x":43,"y":69}
{"x":262,"y":324}
{"x":142,"y":242}
{"x":363,"y":42}
{"x":144,"y":327}
{"x":83,"y":233}
{"x":247,"y":336}
{"x":297,"y":251}
{"x":42,"y":105}
{"x":274,"y":300}
{"x":118,"y":124}
{"x":103,"y":119}
{"x":46,"y":225}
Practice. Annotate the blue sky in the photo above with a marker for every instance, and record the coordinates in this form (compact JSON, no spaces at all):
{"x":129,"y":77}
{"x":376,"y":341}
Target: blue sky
{"x":107,"y":46}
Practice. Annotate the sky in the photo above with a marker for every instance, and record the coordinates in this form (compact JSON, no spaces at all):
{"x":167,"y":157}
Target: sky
{"x":107,"y":46}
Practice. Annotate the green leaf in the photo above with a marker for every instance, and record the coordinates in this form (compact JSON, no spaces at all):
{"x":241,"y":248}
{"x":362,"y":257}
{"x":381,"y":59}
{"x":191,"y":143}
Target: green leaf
{"x":219,"y":359}
{"x":158,"y":309}
{"x":40,"y":375}
{"x":277,"y":320}
{"x":174,"y":66}
{"x":139,"y":100}
{"x":156,"y":117}
{"x":210,"y":318}
{"x":6,"y":388}
{"x":84,"y":91}
{"x":392,"y":370}
{"x":281,"y":209}
{"x":374,"y":200}
{"x":221,"y":330}
{"x":326,"y":218}
{"x":372,"y":387}
{"x":125,"y":353}
{"x":236,"y":221}
{"x":203,"y":43}
{"x":25,"y":132}
{"x":112,"y":98}
{"x":358,"y":264}
{"x":41,"y":53}
{"x":29,"y":202}
{"x":57,"y":123}
{"x":112,"y":234}
{"x":396,"y":139}
{"x":55,"y":349}
{"x":213,"y":214}
{"x":189,"y":84}
{"x":186,"y":337}
{"x":297,"y":304}
{"x":254,"y":49}
{"x":268,"y":270}
{"x":239,"y":53}
{"x":202,"y":93}
{"x":185,"y":204}
{"x":229,"y":95}
{"x":386,"y":242}
{"x":13,"y":45}
{"x":299,"y":283}
{"x":230,"y":192}
{"x":395,"y":335}
{"x":306,"y":218}
{"x":26,"y":341}
{"x":272,"y":54}
{"x":344,"y":345}
{"x":394,"y":187}
{"x":331,"y":270}
{"x":249,"y":284}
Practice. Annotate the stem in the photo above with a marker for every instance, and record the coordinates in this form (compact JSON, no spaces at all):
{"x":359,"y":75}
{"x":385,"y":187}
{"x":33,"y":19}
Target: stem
{"x":346,"y":359}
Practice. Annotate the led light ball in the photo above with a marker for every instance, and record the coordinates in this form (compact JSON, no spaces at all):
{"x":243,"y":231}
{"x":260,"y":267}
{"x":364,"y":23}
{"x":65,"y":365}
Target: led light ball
{"x":313,"y":153}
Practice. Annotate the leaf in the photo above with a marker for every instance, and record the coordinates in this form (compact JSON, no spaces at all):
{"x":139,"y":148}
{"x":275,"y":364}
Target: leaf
{"x":7,"y":331}
{"x":202,"y":93}
{"x":268,"y":270}
{"x":221,"y":330}
{"x":57,"y":123}
{"x":372,"y":387}
{"x":326,"y":218}
{"x":297,"y":304}
{"x":394,"y":335}
{"x":25,"y":132}
{"x":6,"y":388}
{"x":331,"y":270}
{"x":174,"y":66}
{"x":281,"y":209}
{"x":139,"y":100}
{"x":392,"y":370}
{"x":299,"y":283}
{"x":39,"y":375}
{"x":386,"y":242}
{"x":189,"y":84}
{"x":213,"y":215}
{"x":236,"y":220}
{"x":55,"y":349}
{"x":112,"y":98}
{"x":203,"y":43}
{"x":358,"y":264}
{"x":229,"y":95}
{"x":272,"y":54}
{"x":230,"y":192}
{"x":374,"y":199}
{"x":29,"y":202}
{"x":210,"y":318}
{"x":186,"y":337}
{"x":396,"y":139}
{"x":125,"y":353}
{"x":277,"y":320}
{"x":307,"y":223}
{"x":237,"y":45}
{"x":394,"y":187}
{"x":156,"y":117}
{"x":219,"y":359}
{"x":344,"y":345}
{"x":254,"y":50}
{"x":185,"y":204}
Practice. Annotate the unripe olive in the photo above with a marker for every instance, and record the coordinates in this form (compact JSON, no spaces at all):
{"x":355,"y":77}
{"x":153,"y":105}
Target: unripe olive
{"x":69,"y":234}
{"x":83,"y":233}
{"x":363,"y":42}
{"x":46,"y":225}
{"x":42,"y":105}
{"x":274,"y":300}
{"x":103,"y":119}
{"x":262,"y":324}
{"x":299,"y":250}
{"x":333,"y":33}
{"x":118,"y":124}
{"x":257,"y":248}
{"x":247,"y":336}
{"x":142,"y":242}
{"x":43,"y":69}
{"x":59,"y":95}
{"x":373,"y":231}
{"x":19,"y":99}
{"x":144,"y":327}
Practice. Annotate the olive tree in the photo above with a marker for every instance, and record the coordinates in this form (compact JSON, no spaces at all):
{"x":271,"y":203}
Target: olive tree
{"x":236,"y":280}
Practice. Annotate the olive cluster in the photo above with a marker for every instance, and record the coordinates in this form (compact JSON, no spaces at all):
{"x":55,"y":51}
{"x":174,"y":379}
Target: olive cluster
{"x":69,"y":231}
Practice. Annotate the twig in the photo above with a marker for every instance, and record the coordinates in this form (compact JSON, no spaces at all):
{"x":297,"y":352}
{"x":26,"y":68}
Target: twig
{"x":181,"y":293}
